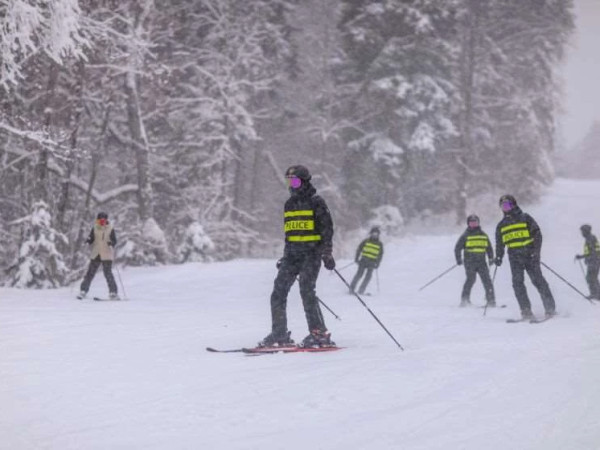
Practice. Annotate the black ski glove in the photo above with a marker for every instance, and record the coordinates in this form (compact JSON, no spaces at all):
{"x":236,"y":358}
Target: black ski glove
{"x":491,"y":262}
{"x":459,"y":262}
{"x":328,"y":261}
{"x":279,"y":263}
{"x":498,"y":261}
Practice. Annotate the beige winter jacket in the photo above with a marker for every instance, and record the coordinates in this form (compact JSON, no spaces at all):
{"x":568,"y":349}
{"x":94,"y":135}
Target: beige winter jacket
{"x":101,"y":238}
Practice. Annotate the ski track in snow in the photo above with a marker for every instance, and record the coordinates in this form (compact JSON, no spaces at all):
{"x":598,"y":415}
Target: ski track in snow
{"x":135,"y":375}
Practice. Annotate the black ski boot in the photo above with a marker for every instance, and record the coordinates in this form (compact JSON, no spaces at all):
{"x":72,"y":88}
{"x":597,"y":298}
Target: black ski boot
{"x":318,"y":338}
{"x":277,"y":340}
{"x":526,"y":314}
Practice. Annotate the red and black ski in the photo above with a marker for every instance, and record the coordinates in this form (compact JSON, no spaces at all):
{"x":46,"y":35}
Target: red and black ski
{"x":273,"y":350}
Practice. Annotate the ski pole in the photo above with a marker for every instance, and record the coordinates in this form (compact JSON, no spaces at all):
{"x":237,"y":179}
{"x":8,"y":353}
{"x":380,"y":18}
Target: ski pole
{"x":582,"y":270}
{"x":329,"y":309}
{"x":371,"y":312}
{"x":569,"y":284}
{"x":119,"y":274}
{"x":493,"y":279}
{"x":347,"y":265}
{"x":326,"y":307}
{"x":439,"y":276}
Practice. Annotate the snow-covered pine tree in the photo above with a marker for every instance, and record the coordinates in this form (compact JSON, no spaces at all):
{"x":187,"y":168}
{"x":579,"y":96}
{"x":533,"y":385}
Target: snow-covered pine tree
{"x":399,"y":58}
{"x":39,"y":264}
{"x":196,"y":245}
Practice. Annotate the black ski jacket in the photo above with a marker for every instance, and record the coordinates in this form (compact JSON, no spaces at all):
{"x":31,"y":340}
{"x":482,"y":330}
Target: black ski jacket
{"x":517,"y":217}
{"x":369,"y":262}
{"x":593,"y":257}
{"x":461,"y":245}
{"x":305,"y":198}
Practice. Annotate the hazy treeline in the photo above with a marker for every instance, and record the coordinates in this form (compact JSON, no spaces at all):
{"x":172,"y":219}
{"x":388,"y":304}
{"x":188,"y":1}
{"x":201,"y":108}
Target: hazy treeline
{"x":179,"y":117}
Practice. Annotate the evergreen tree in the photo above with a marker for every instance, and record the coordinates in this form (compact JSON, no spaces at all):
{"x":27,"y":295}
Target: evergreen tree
{"x":40,"y":264}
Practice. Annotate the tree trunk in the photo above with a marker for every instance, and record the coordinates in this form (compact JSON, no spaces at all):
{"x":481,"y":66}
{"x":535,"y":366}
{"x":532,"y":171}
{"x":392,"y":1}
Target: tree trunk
{"x":467,"y":72}
{"x":140,"y":147}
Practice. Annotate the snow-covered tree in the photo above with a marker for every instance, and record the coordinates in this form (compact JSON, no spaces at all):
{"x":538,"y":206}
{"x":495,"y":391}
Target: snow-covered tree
{"x":27,"y":28}
{"x":39,"y":264}
{"x":196,"y":244}
{"x":399,"y":59}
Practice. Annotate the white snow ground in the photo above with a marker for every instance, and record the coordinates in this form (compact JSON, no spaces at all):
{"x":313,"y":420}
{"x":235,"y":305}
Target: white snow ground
{"x":135,"y":375}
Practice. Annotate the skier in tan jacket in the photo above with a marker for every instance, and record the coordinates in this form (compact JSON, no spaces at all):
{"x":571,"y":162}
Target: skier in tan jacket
{"x":103,"y":239}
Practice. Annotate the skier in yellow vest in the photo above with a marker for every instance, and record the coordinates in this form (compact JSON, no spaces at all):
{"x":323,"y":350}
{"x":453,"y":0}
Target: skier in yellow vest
{"x":521,"y":234}
{"x":308,"y":231}
{"x":475,"y":244}
{"x":368,"y":257}
{"x":591,"y":256}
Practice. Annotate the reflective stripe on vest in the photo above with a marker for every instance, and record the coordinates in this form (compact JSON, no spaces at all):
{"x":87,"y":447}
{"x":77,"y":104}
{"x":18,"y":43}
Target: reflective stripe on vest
{"x":370,"y":250}
{"x":477,"y":243}
{"x":516,"y":235}
{"x":299,"y":226}
{"x":586,"y":249}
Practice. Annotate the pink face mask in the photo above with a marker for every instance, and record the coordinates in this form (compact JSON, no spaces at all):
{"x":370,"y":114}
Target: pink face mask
{"x":473,"y":224}
{"x":507,"y":206}
{"x":294,"y":182}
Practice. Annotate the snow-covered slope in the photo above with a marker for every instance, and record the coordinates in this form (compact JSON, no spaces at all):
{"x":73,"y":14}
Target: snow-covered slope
{"x":135,"y":375}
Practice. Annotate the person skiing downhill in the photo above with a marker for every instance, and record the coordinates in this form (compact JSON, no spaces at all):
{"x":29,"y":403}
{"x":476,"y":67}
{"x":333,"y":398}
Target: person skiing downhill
{"x":521,"y":234}
{"x":103,"y":239}
{"x":475,"y":244}
{"x":308,"y":231}
{"x":368,"y":257}
{"x":591,"y":257}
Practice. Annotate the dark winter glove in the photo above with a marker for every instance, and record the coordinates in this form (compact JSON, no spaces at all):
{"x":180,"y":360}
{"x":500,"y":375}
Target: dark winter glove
{"x":578,"y":257}
{"x":328,"y":262}
{"x":459,"y":262}
{"x":498,"y":261}
{"x":491,"y":262}
{"x":279,"y":263}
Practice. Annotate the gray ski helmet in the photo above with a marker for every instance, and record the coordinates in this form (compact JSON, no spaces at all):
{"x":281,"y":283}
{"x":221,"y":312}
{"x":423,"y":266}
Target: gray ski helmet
{"x":375,"y":229}
{"x":298,"y":171}
{"x":102,"y":215}
{"x":473,"y":218}
{"x":507,"y":198}
{"x":586,"y":229}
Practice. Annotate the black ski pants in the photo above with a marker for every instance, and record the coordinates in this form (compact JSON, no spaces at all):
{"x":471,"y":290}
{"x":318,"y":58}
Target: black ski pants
{"x":91,"y":272}
{"x":362,"y":268}
{"x":472,"y":268}
{"x":306,"y":267}
{"x":591,"y":276}
{"x":519,"y":264}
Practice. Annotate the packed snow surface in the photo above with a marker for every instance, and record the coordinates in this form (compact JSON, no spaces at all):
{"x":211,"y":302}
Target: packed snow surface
{"x":136,"y":375}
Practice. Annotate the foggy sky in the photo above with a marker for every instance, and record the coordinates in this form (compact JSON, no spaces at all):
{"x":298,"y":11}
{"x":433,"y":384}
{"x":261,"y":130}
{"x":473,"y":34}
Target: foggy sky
{"x":582,"y":74}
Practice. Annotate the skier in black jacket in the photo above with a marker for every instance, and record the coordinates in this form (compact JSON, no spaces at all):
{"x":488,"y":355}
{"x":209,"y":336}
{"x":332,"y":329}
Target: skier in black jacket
{"x":523,"y":237}
{"x":476,"y":245}
{"x":308,"y":240}
{"x":591,"y":256}
{"x":368,"y":257}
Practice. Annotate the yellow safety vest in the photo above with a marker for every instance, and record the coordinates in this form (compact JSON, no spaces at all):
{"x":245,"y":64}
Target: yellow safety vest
{"x":477,"y":243}
{"x":370,"y":250}
{"x":586,"y":249}
{"x":516,"y":235}
{"x":299,"y":226}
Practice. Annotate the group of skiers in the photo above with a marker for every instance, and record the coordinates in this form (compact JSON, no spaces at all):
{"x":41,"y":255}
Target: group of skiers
{"x":520,"y":233}
{"x":308,"y":229}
